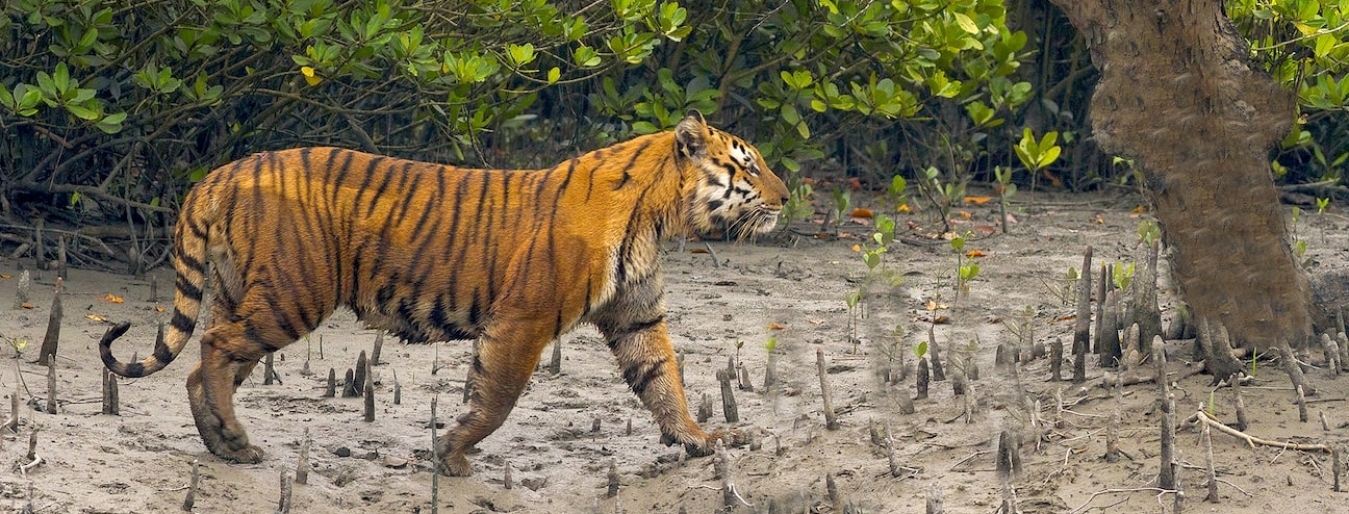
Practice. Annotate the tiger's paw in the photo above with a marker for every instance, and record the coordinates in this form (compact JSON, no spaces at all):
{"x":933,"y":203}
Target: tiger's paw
{"x":455,"y":466}
{"x":248,"y":455}
{"x":733,"y":438}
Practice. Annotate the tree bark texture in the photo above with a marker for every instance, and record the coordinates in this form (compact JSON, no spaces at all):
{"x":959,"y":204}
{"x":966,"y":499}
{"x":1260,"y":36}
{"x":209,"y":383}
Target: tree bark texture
{"x":1179,"y":95}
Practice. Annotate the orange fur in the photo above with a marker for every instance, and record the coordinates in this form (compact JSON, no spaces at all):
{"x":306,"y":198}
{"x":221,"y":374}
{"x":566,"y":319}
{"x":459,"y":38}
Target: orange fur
{"x":434,"y":252}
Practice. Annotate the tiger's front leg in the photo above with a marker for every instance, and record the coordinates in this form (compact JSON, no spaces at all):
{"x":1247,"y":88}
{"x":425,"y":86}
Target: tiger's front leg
{"x":634,"y":326}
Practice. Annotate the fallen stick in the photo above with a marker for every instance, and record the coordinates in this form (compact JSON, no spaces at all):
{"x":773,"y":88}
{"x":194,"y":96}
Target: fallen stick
{"x":830,"y":417}
{"x":1201,"y":416}
{"x":37,"y":460}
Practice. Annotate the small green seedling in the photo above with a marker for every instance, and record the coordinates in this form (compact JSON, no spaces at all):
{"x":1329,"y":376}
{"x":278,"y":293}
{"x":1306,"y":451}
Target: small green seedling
{"x":1123,"y":275}
{"x":1005,"y":191}
{"x":964,"y":272}
{"x":1149,"y":232}
{"x":941,"y":195}
{"x":798,"y":205}
{"x":842,"y":202}
{"x":1037,"y":155}
{"x":897,"y":193}
{"x":18,"y":343}
{"x":967,"y":273}
{"x":853,"y":299}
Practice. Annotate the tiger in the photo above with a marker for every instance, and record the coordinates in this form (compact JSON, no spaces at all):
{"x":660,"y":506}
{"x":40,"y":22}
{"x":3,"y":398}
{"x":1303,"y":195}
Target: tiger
{"x":513,"y":259}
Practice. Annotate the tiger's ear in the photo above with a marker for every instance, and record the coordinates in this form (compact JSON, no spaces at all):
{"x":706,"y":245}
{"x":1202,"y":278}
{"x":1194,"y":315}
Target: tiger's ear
{"x":691,"y":135}
{"x":696,"y":114}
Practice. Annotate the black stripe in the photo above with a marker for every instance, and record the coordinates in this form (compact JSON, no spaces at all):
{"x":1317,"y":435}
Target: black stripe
{"x":191,"y":262}
{"x":384,"y":296}
{"x":540,"y":183}
{"x":370,"y":168}
{"x":181,"y":322}
{"x":475,"y":312}
{"x":304,"y":160}
{"x":188,"y":289}
{"x":632,"y":162}
{"x":428,"y":207}
{"x":407,"y":193}
{"x":452,"y":240}
{"x":252,"y":332}
{"x":590,"y":182}
{"x":557,"y":325}
{"x":282,"y":318}
{"x":423,"y":266}
{"x":639,"y":380}
{"x":525,"y":272}
{"x":355,"y":275}
{"x":405,"y":310}
{"x":484,"y":205}
{"x":163,"y":354}
{"x":196,"y":229}
{"x":223,"y":296}
{"x":440,"y":314}
{"x":571,"y":168}
{"x":643,"y":326}
{"x":630,"y":233}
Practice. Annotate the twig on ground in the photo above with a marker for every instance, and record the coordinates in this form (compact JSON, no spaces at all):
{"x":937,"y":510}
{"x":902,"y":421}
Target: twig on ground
{"x":1201,"y":416}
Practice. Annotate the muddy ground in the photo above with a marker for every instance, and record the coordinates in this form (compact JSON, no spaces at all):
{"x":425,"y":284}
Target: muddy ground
{"x":141,"y":461}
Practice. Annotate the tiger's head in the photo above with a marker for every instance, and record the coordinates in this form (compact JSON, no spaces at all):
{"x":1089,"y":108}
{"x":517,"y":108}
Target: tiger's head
{"x":731,"y":187}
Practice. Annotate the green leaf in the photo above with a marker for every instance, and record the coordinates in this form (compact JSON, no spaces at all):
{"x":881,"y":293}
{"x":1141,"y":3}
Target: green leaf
{"x":921,"y":349}
{"x":872,"y":259}
{"x":61,"y":77}
{"x":520,"y":55}
{"x":966,"y":23}
{"x":586,"y":57}
{"x":82,"y":95}
{"x":82,"y":112}
{"x":790,"y":115}
{"x":1023,"y":156}
{"x":554,"y":74}
{"x":46,"y":85}
{"x":1050,"y":138}
{"x":115,"y":118}
{"x":1048,"y":157}
{"x":108,"y":128}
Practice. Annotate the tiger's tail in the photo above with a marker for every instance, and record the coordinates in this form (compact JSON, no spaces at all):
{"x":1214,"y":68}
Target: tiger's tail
{"x":190,"y":265}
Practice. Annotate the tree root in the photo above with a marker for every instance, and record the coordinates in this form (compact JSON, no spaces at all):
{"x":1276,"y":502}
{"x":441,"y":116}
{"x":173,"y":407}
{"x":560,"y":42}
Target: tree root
{"x":1137,"y":376}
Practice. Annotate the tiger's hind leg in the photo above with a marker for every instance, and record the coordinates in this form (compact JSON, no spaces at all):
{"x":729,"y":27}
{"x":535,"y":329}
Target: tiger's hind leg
{"x":227,"y":357}
{"x":506,"y":359}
